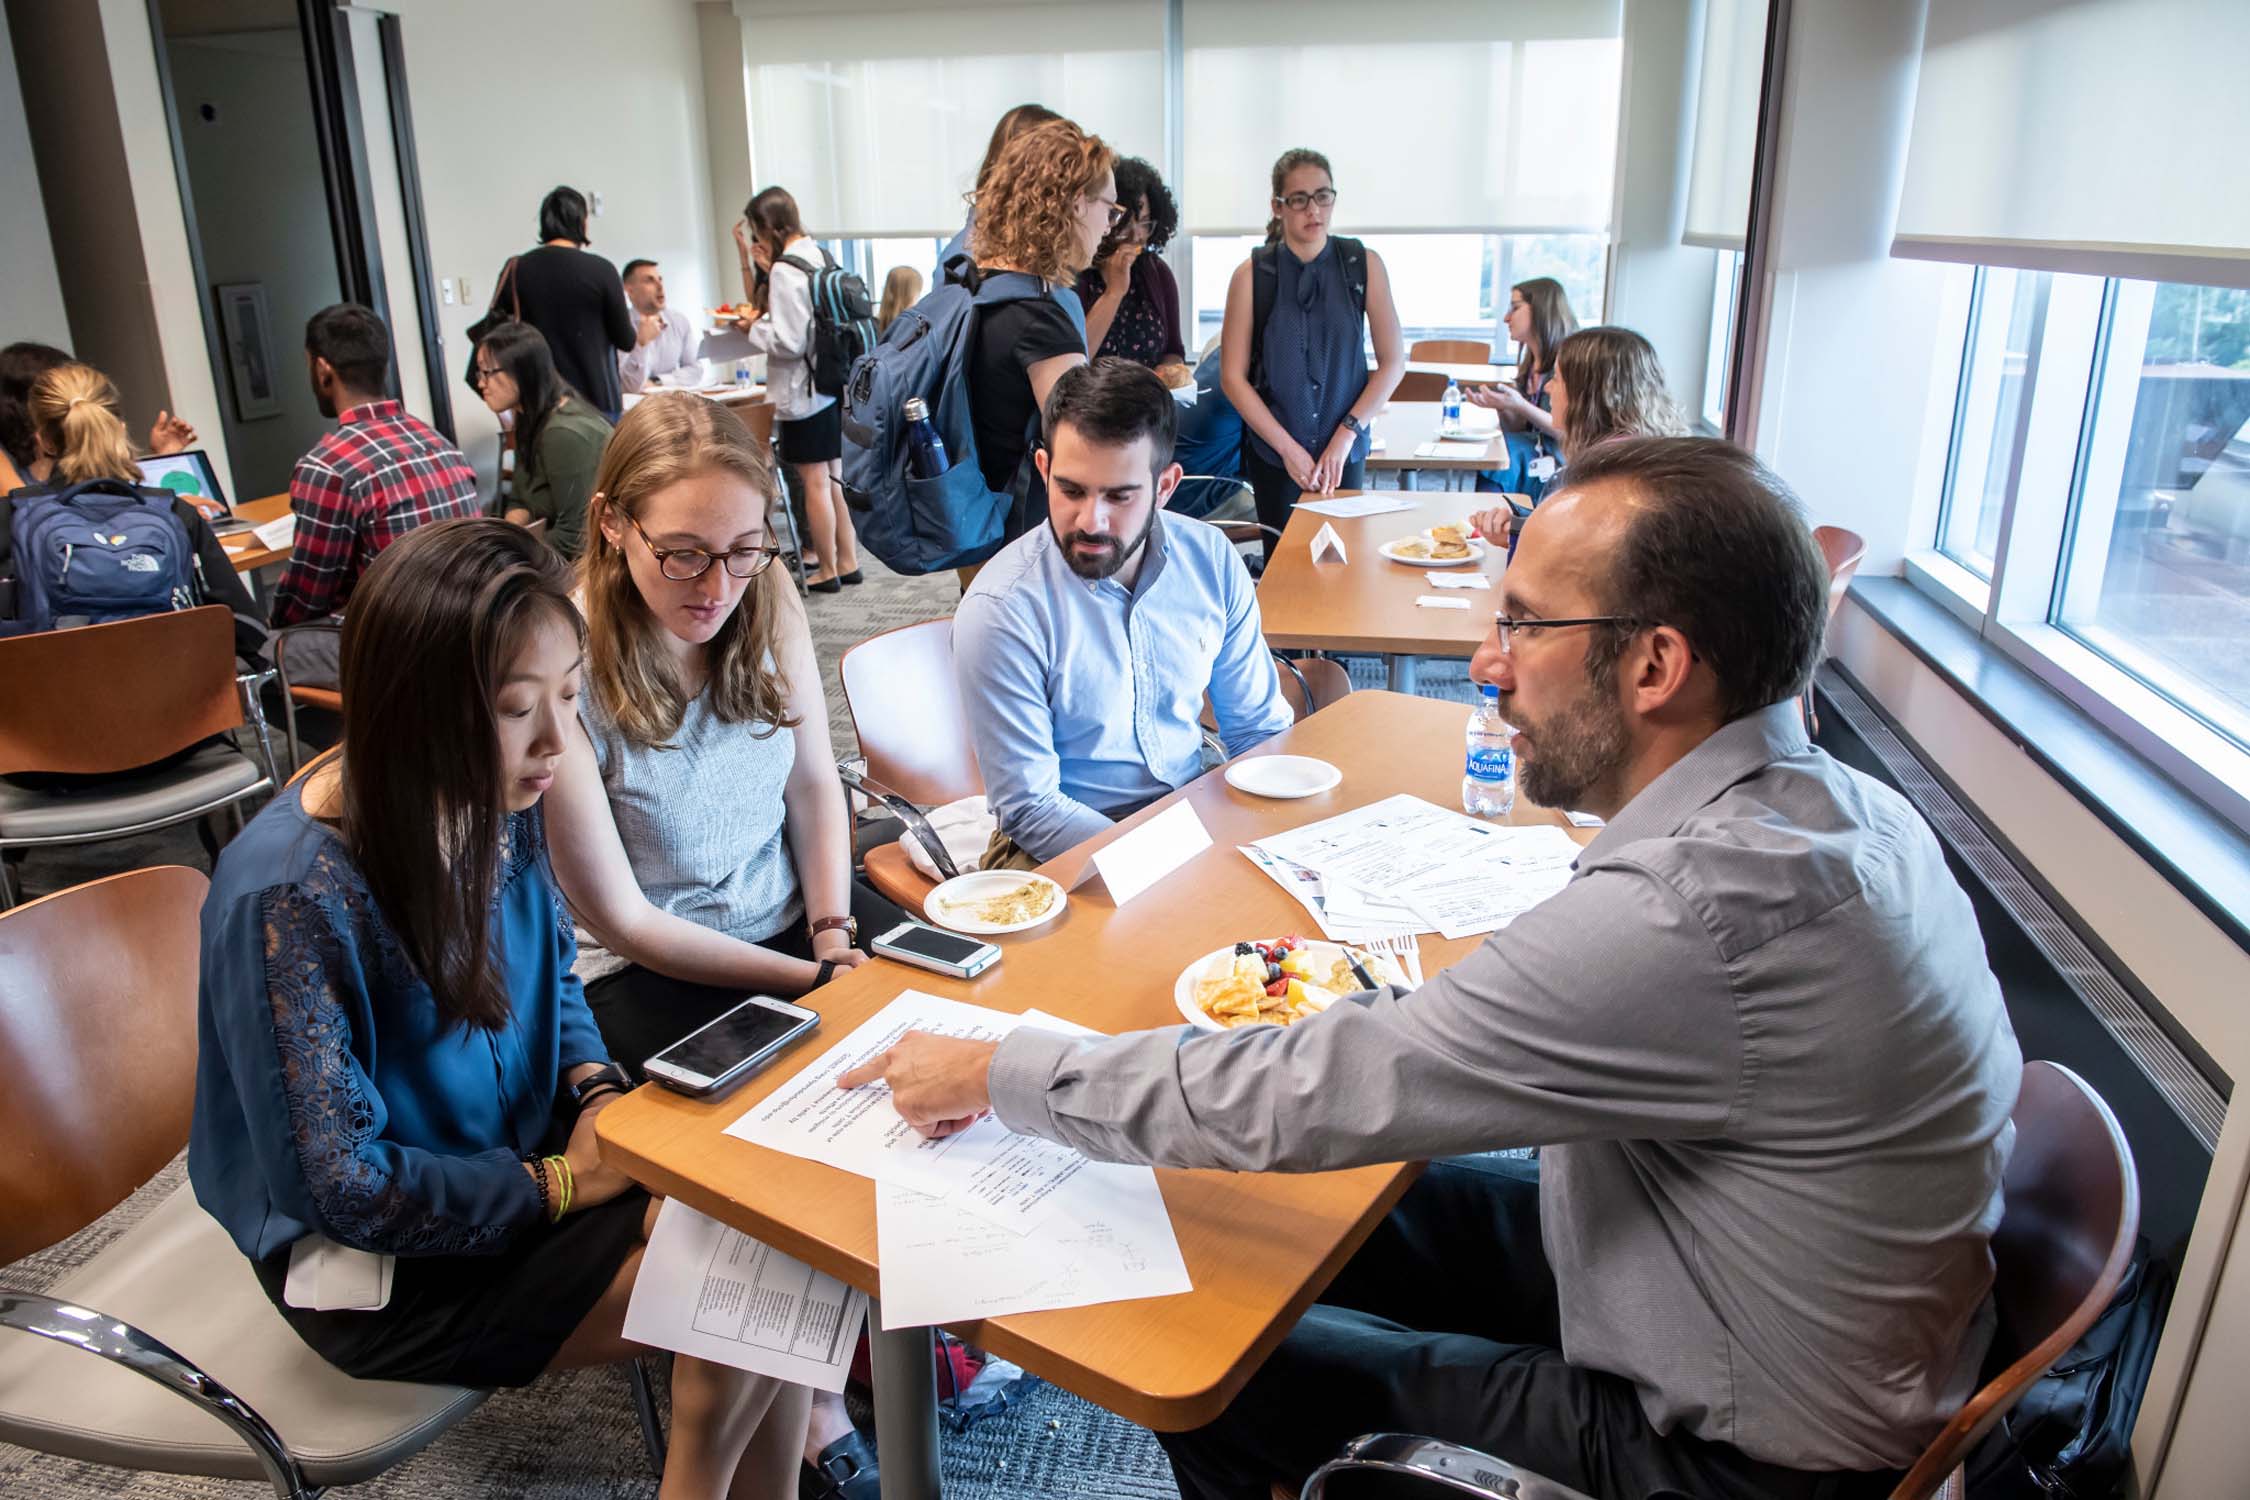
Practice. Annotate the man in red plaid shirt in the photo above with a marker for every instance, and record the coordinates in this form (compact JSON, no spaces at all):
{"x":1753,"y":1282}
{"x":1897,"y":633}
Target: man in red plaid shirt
{"x":379,"y":475}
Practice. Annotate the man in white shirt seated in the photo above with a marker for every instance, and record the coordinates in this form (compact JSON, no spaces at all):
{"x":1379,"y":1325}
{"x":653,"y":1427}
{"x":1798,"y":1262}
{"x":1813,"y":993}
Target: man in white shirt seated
{"x":667,"y":339}
{"x":1085,"y":647}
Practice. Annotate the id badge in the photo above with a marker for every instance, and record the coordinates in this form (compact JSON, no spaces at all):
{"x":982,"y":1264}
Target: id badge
{"x":1543,"y":467}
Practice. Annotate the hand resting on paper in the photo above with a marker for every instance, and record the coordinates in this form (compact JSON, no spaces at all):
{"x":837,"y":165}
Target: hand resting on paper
{"x":938,"y":1083}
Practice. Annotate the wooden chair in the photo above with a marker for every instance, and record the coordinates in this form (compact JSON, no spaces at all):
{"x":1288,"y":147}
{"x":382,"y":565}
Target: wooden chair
{"x":2071,"y":1208}
{"x":1419,"y":385}
{"x":192,"y":1369}
{"x":914,"y":734}
{"x":1451,"y":351}
{"x":1311,"y":683}
{"x":108,"y":700}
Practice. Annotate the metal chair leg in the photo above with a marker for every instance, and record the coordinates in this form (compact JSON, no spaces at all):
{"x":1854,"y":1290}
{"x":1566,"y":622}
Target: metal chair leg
{"x":644,"y":1407}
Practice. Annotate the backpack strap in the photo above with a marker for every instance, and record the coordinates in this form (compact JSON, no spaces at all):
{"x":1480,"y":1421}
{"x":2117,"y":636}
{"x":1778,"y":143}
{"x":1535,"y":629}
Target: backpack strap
{"x":1353,"y":255}
{"x":1265,"y":280}
{"x":806,"y":266}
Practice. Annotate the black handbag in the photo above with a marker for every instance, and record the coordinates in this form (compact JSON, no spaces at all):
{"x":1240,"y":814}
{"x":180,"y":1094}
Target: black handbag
{"x":493,"y":318}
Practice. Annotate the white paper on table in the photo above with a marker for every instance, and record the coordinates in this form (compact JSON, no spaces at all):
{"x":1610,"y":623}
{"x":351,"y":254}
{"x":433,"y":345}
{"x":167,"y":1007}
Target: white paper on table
{"x":1319,"y":844}
{"x":1358,"y":908}
{"x":277,"y":533}
{"x":1431,"y":847}
{"x":1515,"y":871}
{"x":1442,"y":448}
{"x":1132,"y":862}
{"x":1306,"y":886}
{"x":715,"y":1293}
{"x":1585,"y":820}
{"x":1439,"y":601}
{"x":1459,"y":580}
{"x":1346,"y":507}
{"x":1326,"y":543}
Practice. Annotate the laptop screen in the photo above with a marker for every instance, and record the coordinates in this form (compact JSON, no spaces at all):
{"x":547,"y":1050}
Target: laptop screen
{"x":188,"y":475}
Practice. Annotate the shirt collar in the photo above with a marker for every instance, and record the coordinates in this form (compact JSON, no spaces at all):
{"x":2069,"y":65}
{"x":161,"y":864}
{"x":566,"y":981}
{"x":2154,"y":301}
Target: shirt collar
{"x":1734,"y":752}
{"x":1151,"y":565}
{"x":371,"y":411}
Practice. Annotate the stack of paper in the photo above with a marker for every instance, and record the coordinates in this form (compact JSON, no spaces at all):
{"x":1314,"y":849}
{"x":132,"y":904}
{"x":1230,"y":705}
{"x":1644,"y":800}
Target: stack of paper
{"x":1404,"y":865}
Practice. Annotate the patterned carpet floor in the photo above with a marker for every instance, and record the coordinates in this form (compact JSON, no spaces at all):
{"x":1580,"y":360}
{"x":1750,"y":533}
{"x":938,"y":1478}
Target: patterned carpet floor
{"x":573,"y":1437}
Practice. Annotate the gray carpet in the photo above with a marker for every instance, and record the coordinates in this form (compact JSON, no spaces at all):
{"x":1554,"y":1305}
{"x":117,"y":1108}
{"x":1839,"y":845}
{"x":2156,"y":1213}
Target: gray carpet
{"x":573,"y":1436}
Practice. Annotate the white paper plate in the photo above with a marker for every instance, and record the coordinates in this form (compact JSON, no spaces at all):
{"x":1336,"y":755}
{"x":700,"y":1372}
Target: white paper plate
{"x":1282,"y":776}
{"x":1467,"y":434}
{"x":1384,"y":970}
{"x":950,"y":904}
{"x":1476,"y":554}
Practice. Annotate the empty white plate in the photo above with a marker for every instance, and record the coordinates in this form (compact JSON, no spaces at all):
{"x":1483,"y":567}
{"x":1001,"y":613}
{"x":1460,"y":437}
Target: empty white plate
{"x":1282,"y":775}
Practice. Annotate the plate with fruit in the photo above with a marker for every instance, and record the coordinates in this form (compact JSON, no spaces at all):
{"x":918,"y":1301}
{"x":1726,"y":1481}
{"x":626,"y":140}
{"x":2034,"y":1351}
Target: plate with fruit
{"x":1274,"y":981}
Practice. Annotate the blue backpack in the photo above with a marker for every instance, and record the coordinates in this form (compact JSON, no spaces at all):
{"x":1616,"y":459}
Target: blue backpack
{"x":927,"y":525}
{"x":95,"y":552}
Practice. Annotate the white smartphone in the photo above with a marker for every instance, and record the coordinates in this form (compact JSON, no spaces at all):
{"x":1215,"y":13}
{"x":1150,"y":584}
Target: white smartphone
{"x":930,"y":948}
{"x":720,"y":1055}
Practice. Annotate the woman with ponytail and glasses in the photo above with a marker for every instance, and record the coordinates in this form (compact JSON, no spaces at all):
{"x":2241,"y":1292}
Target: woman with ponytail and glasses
{"x":1293,"y":353}
{"x":396,"y":1060}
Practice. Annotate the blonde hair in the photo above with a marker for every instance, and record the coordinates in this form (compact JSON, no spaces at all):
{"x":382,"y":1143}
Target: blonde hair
{"x":1027,"y":213}
{"x":901,"y":290}
{"x":1613,"y":387}
{"x":661,"y":441}
{"x":74,"y":415}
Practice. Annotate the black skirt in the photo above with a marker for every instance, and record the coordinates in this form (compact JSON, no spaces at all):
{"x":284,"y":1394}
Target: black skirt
{"x":476,"y":1320}
{"x":815,"y":439}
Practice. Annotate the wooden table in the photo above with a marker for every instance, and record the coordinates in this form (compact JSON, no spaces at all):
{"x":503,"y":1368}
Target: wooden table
{"x":1259,"y":1248}
{"x":245,"y":551}
{"x":1406,"y":425}
{"x":1367,"y":604}
{"x":1466,"y":374}
{"x":737,"y":396}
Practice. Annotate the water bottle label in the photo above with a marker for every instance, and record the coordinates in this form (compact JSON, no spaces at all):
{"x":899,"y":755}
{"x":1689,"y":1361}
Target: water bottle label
{"x":1491,"y":762}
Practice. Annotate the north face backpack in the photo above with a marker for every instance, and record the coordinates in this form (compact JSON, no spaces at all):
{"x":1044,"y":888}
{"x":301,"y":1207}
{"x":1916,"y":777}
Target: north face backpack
{"x":843,"y":326}
{"x":927,"y":525}
{"x":95,"y":552}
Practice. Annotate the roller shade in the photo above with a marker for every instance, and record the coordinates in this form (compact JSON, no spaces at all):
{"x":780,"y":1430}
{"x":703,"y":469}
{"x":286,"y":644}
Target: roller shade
{"x":2100,"y":137}
{"x":1725,"y":151}
{"x":1489,"y":118}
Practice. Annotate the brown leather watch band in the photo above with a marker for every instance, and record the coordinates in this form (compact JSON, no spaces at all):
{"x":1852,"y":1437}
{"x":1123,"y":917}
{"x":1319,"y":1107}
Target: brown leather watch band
{"x":826,"y":924}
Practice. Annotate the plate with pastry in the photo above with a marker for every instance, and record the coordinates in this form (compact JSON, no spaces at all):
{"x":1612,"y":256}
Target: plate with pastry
{"x":1438,"y":547}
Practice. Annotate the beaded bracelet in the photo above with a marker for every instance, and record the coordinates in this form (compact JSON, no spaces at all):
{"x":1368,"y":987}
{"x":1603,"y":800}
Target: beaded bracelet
{"x":539,"y":1178}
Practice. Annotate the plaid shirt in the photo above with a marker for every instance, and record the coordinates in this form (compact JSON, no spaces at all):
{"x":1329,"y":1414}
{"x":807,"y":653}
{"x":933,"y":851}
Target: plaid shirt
{"x":379,"y":475}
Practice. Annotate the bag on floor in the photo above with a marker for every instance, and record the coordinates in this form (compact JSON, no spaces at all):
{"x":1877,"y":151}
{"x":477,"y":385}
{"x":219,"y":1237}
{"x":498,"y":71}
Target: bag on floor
{"x":90,"y":553}
{"x":843,"y":322}
{"x":954,"y":519}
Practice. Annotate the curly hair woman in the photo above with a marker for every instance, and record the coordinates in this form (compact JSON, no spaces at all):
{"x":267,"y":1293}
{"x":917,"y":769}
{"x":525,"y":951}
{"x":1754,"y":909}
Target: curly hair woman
{"x":1132,"y":302}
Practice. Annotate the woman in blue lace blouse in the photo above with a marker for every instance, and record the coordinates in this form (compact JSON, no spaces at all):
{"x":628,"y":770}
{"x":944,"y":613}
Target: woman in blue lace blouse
{"x":397,"y":1064}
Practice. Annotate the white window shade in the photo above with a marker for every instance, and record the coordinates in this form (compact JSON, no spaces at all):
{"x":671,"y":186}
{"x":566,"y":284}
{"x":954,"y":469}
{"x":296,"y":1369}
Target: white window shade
{"x":1724,"y":158}
{"x":1435,"y":116}
{"x":2099,"y":137}
{"x":876,"y":117}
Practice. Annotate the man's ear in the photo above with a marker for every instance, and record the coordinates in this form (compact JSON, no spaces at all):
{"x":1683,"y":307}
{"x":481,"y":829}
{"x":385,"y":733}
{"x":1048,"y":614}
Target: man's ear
{"x":1167,"y":481}
{"x":1660,"y":669}
{"x":1039,"y":457}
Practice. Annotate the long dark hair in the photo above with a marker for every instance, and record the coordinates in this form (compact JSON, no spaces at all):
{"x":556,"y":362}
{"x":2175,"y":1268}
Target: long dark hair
{"x":21,"y":365}
{"x":521,"y":352}
{"x":432,"y":628}
{"x":1289,"y":161}
{"x":1552,"y":321}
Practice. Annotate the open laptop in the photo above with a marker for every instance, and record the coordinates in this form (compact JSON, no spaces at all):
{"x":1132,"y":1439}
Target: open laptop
{"x":189,"y":475}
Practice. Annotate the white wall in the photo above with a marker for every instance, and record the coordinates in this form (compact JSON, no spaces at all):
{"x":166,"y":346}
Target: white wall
{"x":514,"y":97}
{"x":31,"y":304}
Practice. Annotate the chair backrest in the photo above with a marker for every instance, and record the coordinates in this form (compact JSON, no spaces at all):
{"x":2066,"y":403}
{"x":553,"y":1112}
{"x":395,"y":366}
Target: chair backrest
{"x":97,"y":1040}
{"x":758,"y":417}
{"x":1843,"y":550}
{"x":106,"y":698}
{"x":1316,"y":683}
{"x":2072,"y":1208}
{"x":1419,"y":385}
{"x":310,"y":766}
{"x":1451,"y":351}
{"x":907,"y":711}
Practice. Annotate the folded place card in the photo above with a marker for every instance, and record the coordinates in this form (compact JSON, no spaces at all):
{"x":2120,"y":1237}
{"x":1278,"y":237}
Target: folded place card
{"x":1460,"y":580}
{"x":1435,"y":601}
{"x":1135,"y":861}
{"x":1444,"y":449}
{"x":1325,"y":542}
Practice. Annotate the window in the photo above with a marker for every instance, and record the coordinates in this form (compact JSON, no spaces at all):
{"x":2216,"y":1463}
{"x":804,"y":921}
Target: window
{"x":1718,"y":363}
{"x":1446,"y":285}
{"x":1988,"y":414}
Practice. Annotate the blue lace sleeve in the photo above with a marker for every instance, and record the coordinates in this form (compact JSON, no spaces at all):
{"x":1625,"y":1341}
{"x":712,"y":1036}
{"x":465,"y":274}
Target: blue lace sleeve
{"x":366,"y":1191}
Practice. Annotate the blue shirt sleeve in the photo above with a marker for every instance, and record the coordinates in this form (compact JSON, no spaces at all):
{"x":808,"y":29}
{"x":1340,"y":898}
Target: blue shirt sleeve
{"x":291,"y":1034}
{"x":1245,"y":685}
{"x":1002,"y":677}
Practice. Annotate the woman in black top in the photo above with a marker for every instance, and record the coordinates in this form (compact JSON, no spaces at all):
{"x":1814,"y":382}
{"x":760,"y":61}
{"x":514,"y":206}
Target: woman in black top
{"x":1132,"y":300}
{"x":576,"y":299}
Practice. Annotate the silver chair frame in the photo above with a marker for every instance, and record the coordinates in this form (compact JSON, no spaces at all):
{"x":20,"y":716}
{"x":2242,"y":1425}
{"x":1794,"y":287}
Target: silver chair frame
{"x":1441,"y":1465}
{"x":918,"y":826}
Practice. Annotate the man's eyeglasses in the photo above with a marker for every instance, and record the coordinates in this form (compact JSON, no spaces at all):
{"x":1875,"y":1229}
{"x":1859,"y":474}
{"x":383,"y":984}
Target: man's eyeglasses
{"x":1506,"y":628}
{"x":684,"y":564}
{"x":1299,"y":202}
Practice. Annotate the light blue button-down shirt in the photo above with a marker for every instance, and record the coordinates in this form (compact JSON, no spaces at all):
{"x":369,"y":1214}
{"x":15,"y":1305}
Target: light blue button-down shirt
{"x":1084,"y":697}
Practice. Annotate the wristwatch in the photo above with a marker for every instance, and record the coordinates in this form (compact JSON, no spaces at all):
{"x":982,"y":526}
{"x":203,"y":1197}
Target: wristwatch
{"x":609,"y":1078}
{"x":850,"y":925}
{"x":1355,"y":424}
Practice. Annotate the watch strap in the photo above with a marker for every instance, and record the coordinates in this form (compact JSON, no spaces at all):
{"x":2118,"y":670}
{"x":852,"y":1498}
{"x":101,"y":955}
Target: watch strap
{"x":827,"y":972}
{"x":829,"y":924}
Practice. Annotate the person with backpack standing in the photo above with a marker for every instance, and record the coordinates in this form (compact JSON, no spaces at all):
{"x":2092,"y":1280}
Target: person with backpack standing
{"x":52,"y":572}
{"x":1293,"y":361}
{"x":810,"y":319}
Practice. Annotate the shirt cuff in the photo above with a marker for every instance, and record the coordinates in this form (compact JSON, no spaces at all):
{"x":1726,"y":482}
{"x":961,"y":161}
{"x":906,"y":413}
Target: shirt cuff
{"x":1022,"y":1067}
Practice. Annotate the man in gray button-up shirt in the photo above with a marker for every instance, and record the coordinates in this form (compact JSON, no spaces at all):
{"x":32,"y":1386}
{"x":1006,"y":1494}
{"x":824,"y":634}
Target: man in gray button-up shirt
{"x":1756,"y":1035}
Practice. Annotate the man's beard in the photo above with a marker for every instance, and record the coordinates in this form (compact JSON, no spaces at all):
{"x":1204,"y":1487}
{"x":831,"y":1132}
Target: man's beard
{"x":1112,"y":556}
{"x":1577,"y":747}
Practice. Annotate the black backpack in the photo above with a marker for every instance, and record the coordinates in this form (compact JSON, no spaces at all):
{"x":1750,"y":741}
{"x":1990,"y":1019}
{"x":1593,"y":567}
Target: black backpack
{"x":843,"y":326}
{"x":1265,"y":278}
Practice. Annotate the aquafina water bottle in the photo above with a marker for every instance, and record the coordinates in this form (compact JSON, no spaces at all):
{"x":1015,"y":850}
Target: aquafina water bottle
{"x":1488,"y":779}
{"x":1449,"y":410}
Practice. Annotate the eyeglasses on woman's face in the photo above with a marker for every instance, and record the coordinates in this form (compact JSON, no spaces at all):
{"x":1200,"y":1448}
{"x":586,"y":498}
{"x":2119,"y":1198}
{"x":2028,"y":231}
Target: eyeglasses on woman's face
{"x":486,"y":374}
{"x":1318,"y":198}
{"x":1112,"y":210}
{"x":686,"y":564}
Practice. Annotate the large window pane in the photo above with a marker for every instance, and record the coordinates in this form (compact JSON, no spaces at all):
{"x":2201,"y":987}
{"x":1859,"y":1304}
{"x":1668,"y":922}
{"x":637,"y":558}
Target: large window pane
{"x":2158,"y":572}
{"x":1988,"y":415}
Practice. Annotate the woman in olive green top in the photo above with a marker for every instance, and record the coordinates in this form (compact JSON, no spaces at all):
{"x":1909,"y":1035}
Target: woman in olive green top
{"x":559,"y":435}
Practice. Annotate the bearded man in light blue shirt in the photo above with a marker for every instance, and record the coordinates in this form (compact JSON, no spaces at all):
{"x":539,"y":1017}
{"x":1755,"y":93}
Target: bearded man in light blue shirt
{"x":1085,"y":647}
